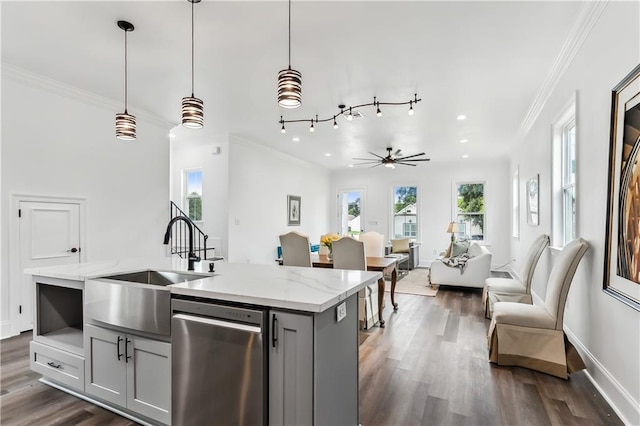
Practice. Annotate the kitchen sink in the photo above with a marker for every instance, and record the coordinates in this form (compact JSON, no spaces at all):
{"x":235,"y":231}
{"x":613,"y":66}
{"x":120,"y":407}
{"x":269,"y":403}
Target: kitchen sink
{"x":156,"y":277}
{"x":137,"y":300}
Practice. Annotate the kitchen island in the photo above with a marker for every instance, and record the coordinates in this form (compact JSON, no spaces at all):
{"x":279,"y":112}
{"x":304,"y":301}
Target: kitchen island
{"x":309,"y":339}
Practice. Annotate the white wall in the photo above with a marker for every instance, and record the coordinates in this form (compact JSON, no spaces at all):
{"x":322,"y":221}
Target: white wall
{"x":606,"y":331}
{"x":436,"y":194}
{"x":197,"y":148}
{"x":57,"y":143}
{"x":259,"y":181}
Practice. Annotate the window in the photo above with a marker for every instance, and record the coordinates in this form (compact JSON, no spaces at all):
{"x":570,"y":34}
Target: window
{"x":515,"y":204}
{"x":564,"y":221}
{"x":405,"y":212}
{"x":350,"y":211}
{"x":470,"y":210}
{"x":193,"y":194}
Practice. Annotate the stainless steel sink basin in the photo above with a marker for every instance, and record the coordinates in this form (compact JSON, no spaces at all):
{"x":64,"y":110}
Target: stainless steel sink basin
{"x":136,"y":300}
{"x":156,"y":277}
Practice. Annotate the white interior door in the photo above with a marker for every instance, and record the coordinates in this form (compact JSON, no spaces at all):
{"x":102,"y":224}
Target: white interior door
{"x":49,"y":234}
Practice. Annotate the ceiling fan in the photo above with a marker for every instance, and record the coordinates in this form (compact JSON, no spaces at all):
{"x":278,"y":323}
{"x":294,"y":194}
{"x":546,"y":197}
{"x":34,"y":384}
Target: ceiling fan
{"x":391,"y":159}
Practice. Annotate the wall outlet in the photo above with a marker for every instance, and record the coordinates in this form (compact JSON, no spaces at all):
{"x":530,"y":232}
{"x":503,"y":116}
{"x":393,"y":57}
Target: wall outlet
{"x":341,"y":311}
{"x":237,"y":221}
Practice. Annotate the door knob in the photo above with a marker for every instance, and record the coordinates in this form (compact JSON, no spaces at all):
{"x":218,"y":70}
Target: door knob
{"x":73,"y":250}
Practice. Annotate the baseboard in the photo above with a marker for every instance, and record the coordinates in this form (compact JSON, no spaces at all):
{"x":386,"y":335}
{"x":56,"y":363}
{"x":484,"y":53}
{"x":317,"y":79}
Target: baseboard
{"x":5,"y":330}
{"x":617,"y":396}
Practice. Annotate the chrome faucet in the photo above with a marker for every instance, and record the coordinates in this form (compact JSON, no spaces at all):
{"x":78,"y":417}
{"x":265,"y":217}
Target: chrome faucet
{"x":167,"y":235}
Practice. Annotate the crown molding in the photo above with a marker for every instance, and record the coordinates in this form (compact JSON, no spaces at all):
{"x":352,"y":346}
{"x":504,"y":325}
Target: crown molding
{"x":587,"y":18}
{"x":39,"y":81}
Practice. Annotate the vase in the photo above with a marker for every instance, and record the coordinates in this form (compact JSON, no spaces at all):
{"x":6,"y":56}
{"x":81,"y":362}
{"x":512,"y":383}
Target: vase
{"x":330,"y":254}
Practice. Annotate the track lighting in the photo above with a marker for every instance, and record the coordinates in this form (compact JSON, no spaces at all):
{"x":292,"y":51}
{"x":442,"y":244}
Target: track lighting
{"x":125,"y":122}
{"x":312,"y":129}
{"x":349,"y":113}
{"x":289,"y":81}
{"x":192,"y":107}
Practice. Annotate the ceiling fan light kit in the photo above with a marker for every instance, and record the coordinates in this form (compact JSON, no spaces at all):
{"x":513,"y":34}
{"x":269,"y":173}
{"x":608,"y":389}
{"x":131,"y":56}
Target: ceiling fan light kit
{"x":192,"y":107}
{"x":289,"y":81}
{"x":350,"y":113}
{"x":125,"y":122}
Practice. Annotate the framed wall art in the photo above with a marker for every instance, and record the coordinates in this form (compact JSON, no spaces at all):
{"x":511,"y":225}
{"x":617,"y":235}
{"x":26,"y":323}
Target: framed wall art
{"x":533,"y":203}
{"x":622,"y":244}
{"x":293,"y":210}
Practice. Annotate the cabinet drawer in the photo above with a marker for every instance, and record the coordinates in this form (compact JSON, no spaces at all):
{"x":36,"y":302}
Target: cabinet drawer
{"x":61,"y":366}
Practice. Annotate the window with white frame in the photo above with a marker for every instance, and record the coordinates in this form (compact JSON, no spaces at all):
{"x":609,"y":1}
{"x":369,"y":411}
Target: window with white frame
{"x":470,"y":211}
{"x":564,"y":219}
{"x":405,"y":212}
{"x":515,"y":204}
{"x":193,"y":194}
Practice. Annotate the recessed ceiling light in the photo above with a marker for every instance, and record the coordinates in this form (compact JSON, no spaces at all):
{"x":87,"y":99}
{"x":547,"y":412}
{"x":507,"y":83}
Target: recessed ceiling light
{"x":461,"y":117}
{"x":350,"y":165}
{"x":465,"y":156}
{"x":328,"y":154}
{"x":296,"y":139}
{"x":464,"y":140}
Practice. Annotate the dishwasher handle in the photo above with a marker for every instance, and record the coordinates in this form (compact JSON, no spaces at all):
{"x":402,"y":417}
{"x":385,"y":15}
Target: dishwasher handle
{"x":219,"y":323}
{"x":274,"y":330}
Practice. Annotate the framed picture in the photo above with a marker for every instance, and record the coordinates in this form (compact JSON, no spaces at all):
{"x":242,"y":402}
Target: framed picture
{"x":533,"y":205}
{"x":293,"y":210}
{"x":622,"y":244}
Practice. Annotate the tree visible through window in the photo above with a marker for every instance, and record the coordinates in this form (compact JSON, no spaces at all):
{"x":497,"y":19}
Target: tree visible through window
{"x":193,"y":191}
{"x":470,"y":205}
{"x":405,"y":211}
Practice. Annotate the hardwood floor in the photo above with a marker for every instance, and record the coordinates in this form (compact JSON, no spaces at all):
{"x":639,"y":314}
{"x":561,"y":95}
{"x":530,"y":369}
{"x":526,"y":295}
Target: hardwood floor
{"x":428,"y":366}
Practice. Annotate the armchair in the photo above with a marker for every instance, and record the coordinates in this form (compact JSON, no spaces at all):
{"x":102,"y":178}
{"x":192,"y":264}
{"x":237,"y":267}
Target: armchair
{"x":474,"y":274}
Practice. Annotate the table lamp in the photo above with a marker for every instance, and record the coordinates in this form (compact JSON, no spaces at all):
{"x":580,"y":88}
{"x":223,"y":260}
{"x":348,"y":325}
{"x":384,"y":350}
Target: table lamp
{"x":452,"y":229}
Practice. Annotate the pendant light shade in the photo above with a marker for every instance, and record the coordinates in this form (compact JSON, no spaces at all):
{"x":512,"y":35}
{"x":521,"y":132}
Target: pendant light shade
{"x":125,"y":122}
{"x":192,"y":107}
{"x":289,"y":81}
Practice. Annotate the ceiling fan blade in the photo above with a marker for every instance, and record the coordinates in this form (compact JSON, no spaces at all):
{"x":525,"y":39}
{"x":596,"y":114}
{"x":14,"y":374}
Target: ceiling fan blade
{"x":379,"y":164}
{"x":405,"y":164}
{"x":410,"y":156}
{"x":367,"y":162}
{"x":418,"y":159}
{"x":365,"y":159}
{"x":373,"y":153}
{"x":397,"y":152}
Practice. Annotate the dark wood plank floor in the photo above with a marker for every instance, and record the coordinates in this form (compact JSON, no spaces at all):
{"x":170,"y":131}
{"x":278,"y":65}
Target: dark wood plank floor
{"x":428,"y":366}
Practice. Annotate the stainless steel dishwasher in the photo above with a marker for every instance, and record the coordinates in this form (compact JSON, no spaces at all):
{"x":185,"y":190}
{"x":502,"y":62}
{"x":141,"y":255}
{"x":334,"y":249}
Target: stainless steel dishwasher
{"x":219,"y":364}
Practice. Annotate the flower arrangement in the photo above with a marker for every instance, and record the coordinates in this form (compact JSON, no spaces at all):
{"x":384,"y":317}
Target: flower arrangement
{"x":327,"y":240}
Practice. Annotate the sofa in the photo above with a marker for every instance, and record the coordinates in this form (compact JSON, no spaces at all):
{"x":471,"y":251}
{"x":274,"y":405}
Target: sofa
{"x":474,"y":273}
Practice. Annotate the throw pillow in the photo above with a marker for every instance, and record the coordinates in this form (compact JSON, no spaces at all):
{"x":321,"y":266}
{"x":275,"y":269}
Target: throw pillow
{"x":459,"y":248}
{"x":447,"y":252}
{"x":474,"y":250}
{"x":400,"y":246}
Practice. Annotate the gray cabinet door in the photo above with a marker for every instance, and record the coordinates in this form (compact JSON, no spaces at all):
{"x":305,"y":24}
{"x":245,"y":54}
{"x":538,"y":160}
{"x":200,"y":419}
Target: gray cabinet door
{"x":105,"y":370}
{"x":149,"y":378}
{"x":290,"y":369}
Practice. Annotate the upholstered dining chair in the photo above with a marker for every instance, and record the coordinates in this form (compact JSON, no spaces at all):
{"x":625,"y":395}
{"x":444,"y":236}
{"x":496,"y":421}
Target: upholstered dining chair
{"x":349,"y":253}
{"x":373,"y":243}
{"x":295,"y":249}
{"x":511,"y":289}
{"x":532,"y":336}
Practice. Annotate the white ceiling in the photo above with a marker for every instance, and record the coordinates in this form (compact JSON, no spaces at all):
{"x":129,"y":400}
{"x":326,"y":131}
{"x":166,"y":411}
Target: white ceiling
{"x":487,"y":60}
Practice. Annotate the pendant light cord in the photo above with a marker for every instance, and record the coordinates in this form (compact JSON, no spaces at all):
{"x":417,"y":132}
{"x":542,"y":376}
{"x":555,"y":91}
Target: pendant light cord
{"x":125,"y":72}
{"x":289,"y":34}
{"x":192,"y":49}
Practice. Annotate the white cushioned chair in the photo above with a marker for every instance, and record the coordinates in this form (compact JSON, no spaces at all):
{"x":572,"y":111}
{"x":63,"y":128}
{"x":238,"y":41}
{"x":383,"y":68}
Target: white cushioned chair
{"x":373,"y":243}
{"x":532,"y":336}
{"x":349,"y":253}
{"x":510,"y":289}
{"x":295,"y":249}
{"x":474,"y":274}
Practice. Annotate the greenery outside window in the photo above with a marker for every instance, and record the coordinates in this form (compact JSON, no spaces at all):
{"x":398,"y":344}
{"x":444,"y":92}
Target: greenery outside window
{"x":470,"y":210}
{"x":193,"y":194}
{"x":405,"y":212}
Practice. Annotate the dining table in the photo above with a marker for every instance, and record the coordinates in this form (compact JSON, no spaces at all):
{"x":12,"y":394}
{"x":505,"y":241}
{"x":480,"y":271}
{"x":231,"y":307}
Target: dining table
{"x":387,"y":265}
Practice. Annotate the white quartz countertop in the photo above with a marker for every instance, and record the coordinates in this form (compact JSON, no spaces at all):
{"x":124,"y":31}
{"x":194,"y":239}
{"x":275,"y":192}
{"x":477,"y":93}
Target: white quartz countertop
{"x":296,"y":288}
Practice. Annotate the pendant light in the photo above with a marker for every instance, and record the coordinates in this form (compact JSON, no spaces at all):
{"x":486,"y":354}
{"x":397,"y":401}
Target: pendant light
{"x":192,"y":107}
{"x":289,"y":81}
{"x":125,"y":122}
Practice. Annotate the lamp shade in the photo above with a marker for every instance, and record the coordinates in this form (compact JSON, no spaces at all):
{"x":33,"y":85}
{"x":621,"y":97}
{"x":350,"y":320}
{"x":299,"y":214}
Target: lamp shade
{"x":125,"y":126}
{"x":453,"y":228}
{"x":192,"y":112}
{"x":289,"y":88}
